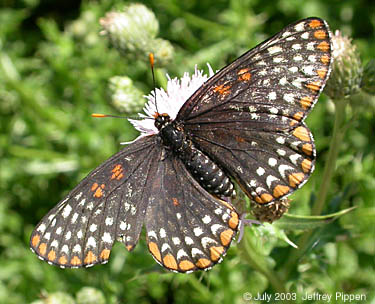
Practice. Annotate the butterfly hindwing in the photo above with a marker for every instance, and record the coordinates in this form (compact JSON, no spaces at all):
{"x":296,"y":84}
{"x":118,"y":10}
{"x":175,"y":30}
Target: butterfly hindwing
{"x":108,"y":205}
{"x":187,"y":228}
{"x":249,"y":116}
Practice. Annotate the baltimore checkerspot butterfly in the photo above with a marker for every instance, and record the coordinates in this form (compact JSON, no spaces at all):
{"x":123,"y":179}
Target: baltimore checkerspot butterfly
{"x":245,"y":124}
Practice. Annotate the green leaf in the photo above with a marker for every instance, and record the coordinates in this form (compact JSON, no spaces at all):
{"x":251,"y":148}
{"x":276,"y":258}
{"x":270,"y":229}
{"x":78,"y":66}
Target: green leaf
{"x":300,"y":222}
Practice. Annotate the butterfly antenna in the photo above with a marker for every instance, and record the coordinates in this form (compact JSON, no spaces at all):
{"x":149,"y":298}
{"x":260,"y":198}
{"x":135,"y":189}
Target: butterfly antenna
{"x":97,"y":115}
{"x":152,"y":60}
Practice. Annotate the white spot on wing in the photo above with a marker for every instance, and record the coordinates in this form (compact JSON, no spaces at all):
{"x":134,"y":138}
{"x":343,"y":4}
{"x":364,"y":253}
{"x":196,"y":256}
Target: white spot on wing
{"x":66,"y":211}
{"x":197,"y":231}
{"x":68,"y":235}
{"x":272,"y":95}
{"x":274,"y":49}
{"x":162,"y":233}
{"x":283,"y":168}
{"x":93,"y":227}
{"x":165,"y":247}
{"x":195,"y":252}
{"x":300,"y":27}
{"x":107,"y":237}
{"x":77,"y":248}
{"x":260,"y":171}
{"x":189,"y":240}
{"x":181,"y":253}
{"x":294,"y":158}
{"x":42,"y":228}
{"x":272,"y":161}
{"x":270,"y":179}
{"x":109,"y":221}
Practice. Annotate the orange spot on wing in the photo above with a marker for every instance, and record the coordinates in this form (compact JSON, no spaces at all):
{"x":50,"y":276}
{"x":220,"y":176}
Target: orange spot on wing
{"x":264,"y":198}
{"x":75,"y":261}
{"x":295,"y":179}
{"x":104,"y":255}
{"x":154,"y":249}
{"x":216,"y":252}
{"x":298,"y":116}
{"x":117,"y":172}
{"x":244,"y":75}
{"x":43,"y":248}
{"x":325,"y":59}
{"x":322,"y":73}
{"x":314,"y":86}
{"x":90,"y":258}
{"x":51,"y":255}
{"x":306,"y":165}
{"x":170,"y":262}
{"x":233,"y":221}
{"x":239,"y":139}
{"x":99,"y":192}
{"x":223,"y":90}
{"x":307,"y":148}
{"x":186,"y":265}
{"x":280,"y":190}
{"x":203,"y":263}
{"x":35,"y":240}
{"x":315,"y":23}
{"x":226,"y":237}
{"x":324,"y":46}
{"x":63,"y":260}
{"x":94,"y":186}
{"x":320,"y":34}
{"x":302,"y":133}
{"x":175,"y":202}
{"x":306,"y":102}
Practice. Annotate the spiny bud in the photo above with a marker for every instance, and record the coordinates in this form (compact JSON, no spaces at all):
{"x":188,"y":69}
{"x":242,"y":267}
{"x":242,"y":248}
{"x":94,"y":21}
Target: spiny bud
{"x":271,"y":212}
{"x":368,"y":80}
{"x":346,"y":75}
{"x":133,"y":33}
{"x":125,"y":96}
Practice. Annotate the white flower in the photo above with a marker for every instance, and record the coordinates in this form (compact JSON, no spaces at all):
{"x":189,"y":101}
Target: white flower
{"x":170,"y":101}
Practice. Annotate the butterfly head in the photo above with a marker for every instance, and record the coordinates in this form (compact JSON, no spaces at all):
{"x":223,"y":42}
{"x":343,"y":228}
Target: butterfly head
{"x":161,"y":120}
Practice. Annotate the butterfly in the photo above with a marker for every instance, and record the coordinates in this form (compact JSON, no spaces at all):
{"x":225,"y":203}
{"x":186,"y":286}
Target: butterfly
{"x":245,"y":124}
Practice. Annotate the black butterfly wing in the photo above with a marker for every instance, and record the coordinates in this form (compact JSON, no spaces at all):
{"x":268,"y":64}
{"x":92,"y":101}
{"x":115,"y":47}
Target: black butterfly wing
{"x":249,"y":116}
{"x":109,"y":204}
{"x":187,"y":228}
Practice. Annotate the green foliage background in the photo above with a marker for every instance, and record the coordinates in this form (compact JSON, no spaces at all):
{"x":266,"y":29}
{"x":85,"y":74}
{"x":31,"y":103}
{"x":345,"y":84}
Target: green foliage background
{"x":54,"y":71}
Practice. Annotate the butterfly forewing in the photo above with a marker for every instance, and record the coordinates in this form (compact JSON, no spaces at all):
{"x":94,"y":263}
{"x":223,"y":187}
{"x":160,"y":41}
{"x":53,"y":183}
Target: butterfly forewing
{"x":249,"y":116}
{"x":108,"y":205}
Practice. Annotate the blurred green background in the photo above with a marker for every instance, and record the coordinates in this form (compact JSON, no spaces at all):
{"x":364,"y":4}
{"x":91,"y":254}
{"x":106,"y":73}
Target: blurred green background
{"x":54,"y":72}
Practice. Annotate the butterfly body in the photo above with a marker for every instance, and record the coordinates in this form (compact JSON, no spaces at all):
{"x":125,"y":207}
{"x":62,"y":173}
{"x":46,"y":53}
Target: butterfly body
{"x":243,"y":124}
{"x":204,"y":170}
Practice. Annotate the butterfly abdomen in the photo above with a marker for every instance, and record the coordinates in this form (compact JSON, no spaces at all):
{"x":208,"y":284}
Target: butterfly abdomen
{"x":203,"y":169}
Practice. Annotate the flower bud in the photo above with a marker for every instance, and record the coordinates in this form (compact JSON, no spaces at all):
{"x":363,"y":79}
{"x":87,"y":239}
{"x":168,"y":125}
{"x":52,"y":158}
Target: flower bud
{"x":346,"y":75}
{"x":125,"y":96}
{"x":368,"y":80}
{"x":133,"y":33}
{"x":271,"y":212}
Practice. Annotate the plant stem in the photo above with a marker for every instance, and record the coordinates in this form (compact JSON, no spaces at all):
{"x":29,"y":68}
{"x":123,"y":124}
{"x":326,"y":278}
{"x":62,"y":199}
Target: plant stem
{"x":259,"y":263}
{"x":330,"y":164}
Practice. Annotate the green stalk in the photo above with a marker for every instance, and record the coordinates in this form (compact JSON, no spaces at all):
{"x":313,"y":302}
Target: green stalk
{"x":258,"y":263}
{"x":337,"y":136}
